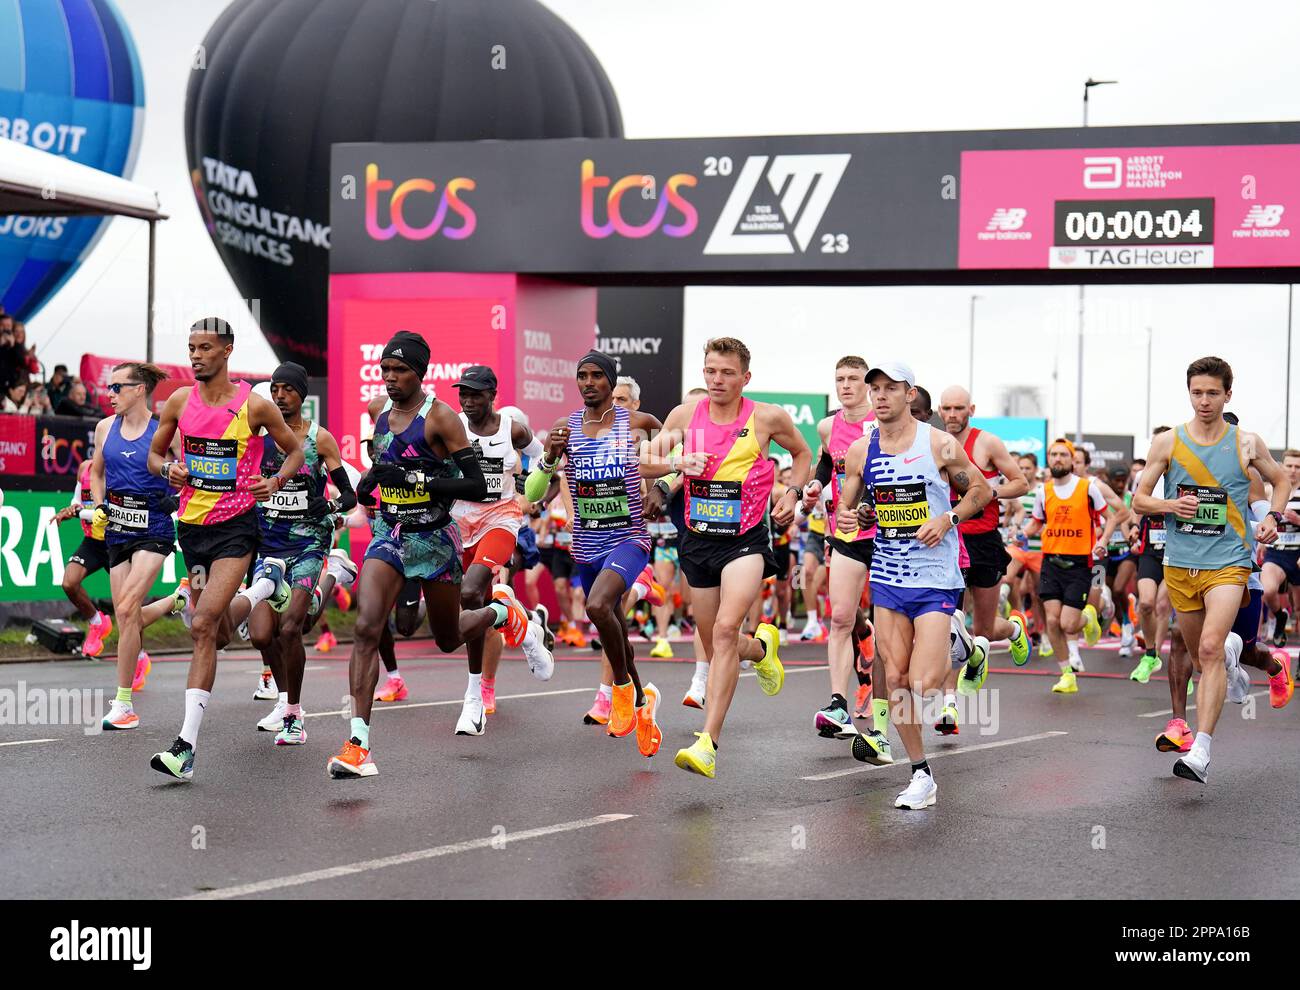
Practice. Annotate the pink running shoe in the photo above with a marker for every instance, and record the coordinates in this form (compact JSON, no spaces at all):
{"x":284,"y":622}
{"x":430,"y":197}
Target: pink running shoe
{"x":326,"y":642}
{"x":1281,"y":685}
{"x":95,"y":636}
{"x":142,"y":666}
{"x":599,"y":712}
{"x":394,"y":689}
{"x":488,"y":691}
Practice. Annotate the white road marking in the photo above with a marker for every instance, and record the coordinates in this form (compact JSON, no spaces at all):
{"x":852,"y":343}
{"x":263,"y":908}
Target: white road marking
{"x":316,"y":667}
{"x":1191,"y":708}
{"x":511,"y":697}
{"x":366,"y":866}
{"x":27,"y":742}
{"x":935,"y":756}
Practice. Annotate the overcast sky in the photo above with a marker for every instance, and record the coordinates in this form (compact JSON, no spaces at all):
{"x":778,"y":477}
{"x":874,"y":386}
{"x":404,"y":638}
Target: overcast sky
{"x":694,"y":68}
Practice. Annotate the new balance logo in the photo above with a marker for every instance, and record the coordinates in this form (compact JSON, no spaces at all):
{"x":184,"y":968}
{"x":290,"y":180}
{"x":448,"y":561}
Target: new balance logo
{"x":1007,"y":219}
{"x":755,"y":221}
{"x":1264,"y":216}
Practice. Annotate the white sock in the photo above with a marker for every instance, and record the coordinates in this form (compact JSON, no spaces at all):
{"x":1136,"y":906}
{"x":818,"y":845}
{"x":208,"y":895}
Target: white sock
{"x":607,"y":691}
{"x":701,"y":671}
{"x":1203,"y":742}
{"x":141,"y":655}
{"x":812,"y":616}
{"x":394,"y":674}
{"x":949,"y":699}
{"x":196,"y":700}
{"x":638,"y":591}
{"x":1074,"y":649}
{"x":283,"y":699}
{"x":260,"y":590}
{"x":98,"y":619}
{"x":475,"y":689}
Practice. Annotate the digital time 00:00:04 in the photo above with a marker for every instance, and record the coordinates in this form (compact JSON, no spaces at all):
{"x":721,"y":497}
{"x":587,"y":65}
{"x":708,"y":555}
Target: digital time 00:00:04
{"x":1124,"y":225}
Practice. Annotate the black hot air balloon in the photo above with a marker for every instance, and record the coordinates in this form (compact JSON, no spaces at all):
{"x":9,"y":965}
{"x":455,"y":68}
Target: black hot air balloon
{"x":281,"y":80}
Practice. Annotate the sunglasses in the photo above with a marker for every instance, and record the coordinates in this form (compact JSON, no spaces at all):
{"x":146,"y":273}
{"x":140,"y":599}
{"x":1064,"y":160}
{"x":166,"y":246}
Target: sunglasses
{"x":117,"y":387}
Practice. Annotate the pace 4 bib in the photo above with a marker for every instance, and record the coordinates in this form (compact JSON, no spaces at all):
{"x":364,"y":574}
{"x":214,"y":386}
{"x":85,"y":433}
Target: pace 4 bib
{"x":715,"y":507}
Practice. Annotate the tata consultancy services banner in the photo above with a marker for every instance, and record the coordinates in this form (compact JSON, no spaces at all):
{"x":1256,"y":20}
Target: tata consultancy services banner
{"x":1021,"y":434}
{"x":807,"y":409}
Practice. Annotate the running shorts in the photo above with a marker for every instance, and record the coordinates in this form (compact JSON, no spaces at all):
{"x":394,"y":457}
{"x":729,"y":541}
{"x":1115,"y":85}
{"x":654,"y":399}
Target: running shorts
{"x":859,"y":550}
{"x":202,"y":544}
{"x":1188,"y":587}
{"x":988,"y":559}
{"x":426,"y":554}
{"x":781,"y":554}
{"x":1247,"y":623}
{"x":123,"y":551}
{"x":915,"y":602}
{"x":666,"y":552}
{"x":1030,"y":560}
{"x":815,"y":544}
{"x":1066,"y":579}
{"x":1289,"y":562}
{"x":1151,"y":566}
{"x":526,"y":540}
{"x":703,"y":557}
{"x":627,"y":560}
{"x":558,"y":562}
{"x":92,"y":554}
{"x":493,"y":549}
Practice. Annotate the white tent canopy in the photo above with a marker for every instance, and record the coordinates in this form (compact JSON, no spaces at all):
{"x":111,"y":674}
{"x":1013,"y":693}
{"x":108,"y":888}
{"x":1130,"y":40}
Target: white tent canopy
{"x":37,"y":183}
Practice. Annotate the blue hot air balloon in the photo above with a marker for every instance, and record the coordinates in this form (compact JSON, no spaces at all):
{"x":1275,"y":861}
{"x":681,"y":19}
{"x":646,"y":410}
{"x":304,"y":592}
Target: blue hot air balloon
{"x":70,"y":84}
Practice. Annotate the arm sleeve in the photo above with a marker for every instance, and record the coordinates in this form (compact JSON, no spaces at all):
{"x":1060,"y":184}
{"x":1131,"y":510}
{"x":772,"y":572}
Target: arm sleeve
{"x":825,"y":468}
{"x":353,"y":475}
{"x":534,"y":449}
{"x":536,"y":485}
{"x":472,"y":487}
{"x":347,"y":498}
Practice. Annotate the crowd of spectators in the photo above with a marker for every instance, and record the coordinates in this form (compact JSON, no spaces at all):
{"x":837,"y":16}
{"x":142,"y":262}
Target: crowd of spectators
{"x":24,"y":388}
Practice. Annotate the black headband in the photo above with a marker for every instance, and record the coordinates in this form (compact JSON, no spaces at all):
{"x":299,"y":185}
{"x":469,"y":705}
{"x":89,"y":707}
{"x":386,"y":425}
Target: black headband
{"x":411,"y":349}
{"x":294,"y":375}
{"x":603,"y":362}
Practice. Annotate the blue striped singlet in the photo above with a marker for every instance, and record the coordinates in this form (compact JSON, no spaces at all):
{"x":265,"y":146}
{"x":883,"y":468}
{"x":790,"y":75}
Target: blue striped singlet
{"x":604,"y":475}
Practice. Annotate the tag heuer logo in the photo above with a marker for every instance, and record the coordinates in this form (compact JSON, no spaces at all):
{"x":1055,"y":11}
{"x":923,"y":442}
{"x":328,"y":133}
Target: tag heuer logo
{"x":1067,"y":257}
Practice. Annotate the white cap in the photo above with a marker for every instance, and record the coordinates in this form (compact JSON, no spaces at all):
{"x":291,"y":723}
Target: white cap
{"x":896,"y":370}
{"x":515,"y":413}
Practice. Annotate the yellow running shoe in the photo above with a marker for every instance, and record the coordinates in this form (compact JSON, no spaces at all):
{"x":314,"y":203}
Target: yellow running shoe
{"x":1068,"y":684}
{"x":662,"y":650}
{"x":700,"y":757}
{"x":771,"y":675}
{"x":1091,"y":627}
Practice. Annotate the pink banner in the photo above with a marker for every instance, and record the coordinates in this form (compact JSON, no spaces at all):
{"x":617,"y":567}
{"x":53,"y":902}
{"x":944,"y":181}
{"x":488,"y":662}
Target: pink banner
{"x":17,"y":444}
{"x":1130,"y":208}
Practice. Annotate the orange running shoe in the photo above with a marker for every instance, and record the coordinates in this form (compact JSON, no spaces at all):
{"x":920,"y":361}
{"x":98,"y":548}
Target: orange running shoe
{"x":1177,"y":737}
{"x":96,"y":634}
{"x":352,"y":761}
{"x":1132,"y":610}
{"x":516,"y":627}
{"x":622,"y":710}
{"x":342,"y":597}
{"x":326,"y":642}
{"x":1281,"y":685}
{"x":648,"y":733}
{"x":488,"y":692}
{"x":143,"y":665}
{"x":867,"y":644}
{"x":576,"y":638}
{"x":862,"y":704}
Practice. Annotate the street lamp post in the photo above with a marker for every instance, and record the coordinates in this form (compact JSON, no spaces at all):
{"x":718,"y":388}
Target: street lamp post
{"x":970,"y":371}
{"x":1078,"y":412}
{"x":1148,"y":382}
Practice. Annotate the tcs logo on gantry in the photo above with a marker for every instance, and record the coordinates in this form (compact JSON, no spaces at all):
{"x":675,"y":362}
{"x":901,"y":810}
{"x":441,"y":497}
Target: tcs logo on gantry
{"x":449,"y":201}
{"x":645,"y":184}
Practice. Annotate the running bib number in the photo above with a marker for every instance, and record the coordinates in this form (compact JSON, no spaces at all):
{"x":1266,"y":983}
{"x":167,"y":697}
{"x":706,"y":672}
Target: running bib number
{"x":212,"y":464}
{"x":901,"y":510}
{"x":1156,"y":534}
{"x":1289,"y":540}
{"x":713,"y":507}
{"x":602,"y":505}
{"x":1211,"y":511}
{"x":494,"y":471}
{"x":290,"y":502}
{"x":408,"y":504}
{"x":127,"y":512}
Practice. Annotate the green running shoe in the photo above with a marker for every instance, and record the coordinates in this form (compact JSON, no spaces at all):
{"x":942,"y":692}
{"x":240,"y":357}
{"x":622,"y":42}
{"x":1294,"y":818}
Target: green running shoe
{"x":1148,"y":665}
{"x":275,"y":568}
{"x":1019,"y":640}
{"x":1190,"y":687}
{"x":976,"y":671}
{"x":872,"y":747}
{"x":833,"y":722}
{"x":176,"y":762}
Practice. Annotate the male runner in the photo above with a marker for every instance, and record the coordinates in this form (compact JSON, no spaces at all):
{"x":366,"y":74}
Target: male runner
{"x":1282,"y":559}
{"x":1207,"y":548}
{"x":1121,"y":564}
{"x":1027,"y":557}
{"x":1153,"y":595}
{"x":988,"y":557}
{"x":296,"y":526}
{"x":219,"y":479}
{"x":850,"y":558}
{"x":135,"y":509}
{"x":1065,"y":510}
{"x":423,"y":462}
{"x":601,"y":445}
{"x":908,"y":471}
{"x":726,"y":550}
{"x":489,"y":530}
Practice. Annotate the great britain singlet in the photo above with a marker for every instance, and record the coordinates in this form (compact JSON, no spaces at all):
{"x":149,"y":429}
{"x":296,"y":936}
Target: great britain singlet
{"x":908,"y":491}
{"x":133,"y":492}
{"x":843,"y":435}
{"x":222,"y":456}
{"x":604,"y":476}
{"x":731,"y":496}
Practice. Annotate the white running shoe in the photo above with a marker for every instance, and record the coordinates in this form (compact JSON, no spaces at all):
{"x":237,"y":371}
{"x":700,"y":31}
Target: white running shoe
{"x":1107,"y":609}
{"x":266,"y":689}
{"x":960,"y":644}
{"x":1194,"y":766}
{"x":922,"y":792}
{"x":1126,"y":637}
{"x":1076,"y":661}
{"x":274,"y":722}
{"x":541,"y":661}
{"x":812,"y":630}
{"x":1238,"y":679}
{"x":695,"y":695}
{"x":120,"y":716}
{"x":472,"y":720}
{"x":341,"y":565}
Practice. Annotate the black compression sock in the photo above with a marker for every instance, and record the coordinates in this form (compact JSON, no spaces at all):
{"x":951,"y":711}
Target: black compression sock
{"x":923,"y":765}
{"x":840,"y":700}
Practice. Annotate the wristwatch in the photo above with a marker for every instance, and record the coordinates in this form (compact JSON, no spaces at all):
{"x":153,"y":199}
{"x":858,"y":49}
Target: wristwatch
{"x":1277,"y":516}
{"x":954,"y":519}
